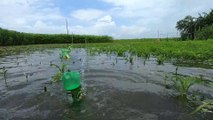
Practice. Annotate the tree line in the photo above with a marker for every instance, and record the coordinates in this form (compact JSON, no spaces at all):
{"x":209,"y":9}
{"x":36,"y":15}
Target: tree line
{"x":200,"y":27}
{"x":9,"y":37}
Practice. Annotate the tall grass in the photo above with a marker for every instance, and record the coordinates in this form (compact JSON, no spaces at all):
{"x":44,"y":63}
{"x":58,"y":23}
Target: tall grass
{"x":8,"y":37}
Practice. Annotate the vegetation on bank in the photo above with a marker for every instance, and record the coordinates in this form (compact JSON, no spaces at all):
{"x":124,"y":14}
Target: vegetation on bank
{"x":8,"y":37}
{"x":189,"y":51}
{"x":192,"y":51}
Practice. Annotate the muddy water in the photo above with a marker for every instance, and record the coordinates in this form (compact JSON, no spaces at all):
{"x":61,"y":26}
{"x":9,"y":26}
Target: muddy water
{"x":115,"y":89}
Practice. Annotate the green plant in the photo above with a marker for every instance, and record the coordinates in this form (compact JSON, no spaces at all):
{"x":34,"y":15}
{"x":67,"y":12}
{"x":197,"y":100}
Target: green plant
{"x":205,"y":33}
{"x":26,"y":76}
{"x":4,"y":73}
{"x":183,"y":84}
{"x":206,"y":106}
{"x":61,"y":70}
{"x":211,"y":83}
{"x":146,"y":56}
{"x":176,"y":71}
{"x":8,"y":37}
{"x":165,"y":82}
{"x":160,"y":60}
{"x":57,"y":77}
{"x":131,"y":60}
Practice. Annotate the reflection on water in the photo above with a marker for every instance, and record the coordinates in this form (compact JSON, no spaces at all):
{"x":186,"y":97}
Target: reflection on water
{"x":115,"y":89}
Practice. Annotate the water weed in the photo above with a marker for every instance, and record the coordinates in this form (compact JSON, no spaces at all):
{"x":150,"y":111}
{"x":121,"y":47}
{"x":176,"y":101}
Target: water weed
{"x":205,"y":107}
{"x":4,"y":74}
{"x":61,"y":69}
{"x":183,"y":84}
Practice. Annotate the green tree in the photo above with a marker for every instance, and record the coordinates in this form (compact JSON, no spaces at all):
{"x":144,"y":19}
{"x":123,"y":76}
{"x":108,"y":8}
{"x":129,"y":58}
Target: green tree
{"x":192,"y":28}
{"x":186,"y":27}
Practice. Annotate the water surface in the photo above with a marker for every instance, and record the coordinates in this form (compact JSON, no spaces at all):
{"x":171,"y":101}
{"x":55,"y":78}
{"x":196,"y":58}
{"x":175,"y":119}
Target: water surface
{"x":115,"y":88}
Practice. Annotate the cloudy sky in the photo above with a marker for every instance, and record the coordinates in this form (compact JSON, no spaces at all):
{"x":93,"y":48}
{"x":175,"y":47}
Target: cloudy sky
{"x":117,"y":18}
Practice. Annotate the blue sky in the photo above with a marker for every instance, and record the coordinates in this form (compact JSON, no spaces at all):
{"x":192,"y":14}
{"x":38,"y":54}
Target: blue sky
{"x":117,"y":18}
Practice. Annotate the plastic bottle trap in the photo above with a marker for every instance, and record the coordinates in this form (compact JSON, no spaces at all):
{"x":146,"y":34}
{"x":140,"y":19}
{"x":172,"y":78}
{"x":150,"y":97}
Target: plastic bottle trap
{"x":71,"y":80}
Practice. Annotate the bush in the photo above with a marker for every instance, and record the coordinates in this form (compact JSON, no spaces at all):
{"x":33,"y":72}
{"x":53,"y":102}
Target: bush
{"x":205,"y":33}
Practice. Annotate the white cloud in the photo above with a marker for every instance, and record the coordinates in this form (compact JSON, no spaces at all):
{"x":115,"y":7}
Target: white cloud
{"x":155,"y":15}
{"x":139,"y":8}
{"x":87,"y":14}
{"x":42,"y":27}
{"x":132,"y":30}
{"x":124,"y":19}
{"x":103,"y":26}
{"x":23,"y":15}
{"x":106,"y":26}
{"x":105,"y":19}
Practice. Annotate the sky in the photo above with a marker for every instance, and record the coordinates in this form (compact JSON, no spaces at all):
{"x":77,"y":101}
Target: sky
{"x":117,"y":18}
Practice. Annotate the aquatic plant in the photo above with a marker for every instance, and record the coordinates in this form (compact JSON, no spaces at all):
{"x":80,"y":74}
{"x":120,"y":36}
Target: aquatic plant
{"x":131,"y":60}
{"x":116,"y":60}
{"x":76,"y":95}
{"x":211,"y":83}
{"x":61,"y":70}
{"x":176,"y":70}
{"x":127,"y":60}
{"x":45,"y":88}
{"x":26,"y":76}
{"x":167,"y":86}
{"x":183,"y":84}
{"x":4,"y":73}
{"x":160,"y":60}
{"x":146,"y":56}
{"x":205,"y":107}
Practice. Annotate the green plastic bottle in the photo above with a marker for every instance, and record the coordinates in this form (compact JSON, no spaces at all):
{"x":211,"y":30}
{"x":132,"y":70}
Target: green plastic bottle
{"x":65,"y":54}
{"x":71,"y":80}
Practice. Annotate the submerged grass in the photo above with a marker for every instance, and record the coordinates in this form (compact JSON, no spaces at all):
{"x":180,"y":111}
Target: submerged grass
{"x":4,"y":74}
{"x":205,"y":107}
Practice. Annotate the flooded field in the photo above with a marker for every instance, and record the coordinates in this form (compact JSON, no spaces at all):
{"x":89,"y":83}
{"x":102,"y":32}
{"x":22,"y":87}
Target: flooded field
{"x":115,"y":88}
